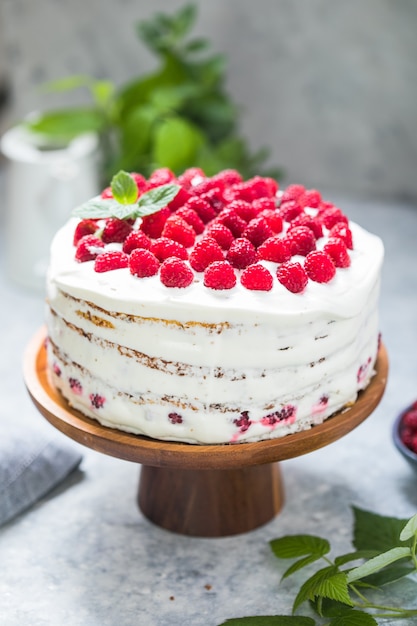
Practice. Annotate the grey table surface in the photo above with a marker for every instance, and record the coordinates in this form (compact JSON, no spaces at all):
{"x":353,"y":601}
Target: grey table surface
{"x":85,"y":555}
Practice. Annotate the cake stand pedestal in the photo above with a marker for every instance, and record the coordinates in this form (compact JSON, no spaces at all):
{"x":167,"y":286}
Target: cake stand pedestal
{"x":208,"y":490}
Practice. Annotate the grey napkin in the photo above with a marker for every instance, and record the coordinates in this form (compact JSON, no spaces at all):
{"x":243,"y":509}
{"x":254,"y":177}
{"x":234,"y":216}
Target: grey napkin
{"x":32,"y":462}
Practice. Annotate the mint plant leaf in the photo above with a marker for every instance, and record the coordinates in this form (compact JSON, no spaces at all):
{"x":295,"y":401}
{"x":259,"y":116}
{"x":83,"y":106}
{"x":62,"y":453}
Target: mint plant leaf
{"x":355,"y":556}
{"x":335,"y":588}
{"x":98,"y":208}
{"x":307,"y":560}
{"x":292,"y":546}
{"x":124,"y":188}
{"x":378,"y":563}
{"x":308,"y":590}
{"x":155,"y":199}
{"x":410,"y":529}
{"x":270,"y":620}
{"x":375,"y":532}
{"x":354,"y":618}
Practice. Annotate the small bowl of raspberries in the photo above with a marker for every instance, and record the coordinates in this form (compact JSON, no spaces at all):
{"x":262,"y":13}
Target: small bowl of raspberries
{"x":405,"y":434}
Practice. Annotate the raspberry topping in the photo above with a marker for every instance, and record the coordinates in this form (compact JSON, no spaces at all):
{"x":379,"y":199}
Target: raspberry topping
{"x":152,"y":225}
{"x":273,"y":219}
{"x":258,"y":231}
{"x":245,"y":210}
{"x":205,"y":251}
{"x":202,"y":207}
{"x":337,"y":251}
{"x":301,"y":240}
{"x":231,"y":219}
{"x":164,"y":248}
{"x":142,"y":263}
{"x":342,"y":231}
{"x":332,"y":216}
{"x":290,"y":209}
{"x":108,"y":261}
{"x":83,"y":228}
{"x":311,"y":222}
{"x":292,"y":276}
{"x":175,"y":273}
{"x":88,"y":248}
{"x":292,"y":192}
{"x":192,"y":218}
{"x":219,"y":275}
{"x":136,"y":239}
{"x":241,"y":253}
{"x":257,"y":278}
{"x":319,"y":266}
{"x":177,"y":229}
{"x":276,"y":249}
{"x":311,"y":198}
{"x":115,"y":230}
{"x":221,"y":234}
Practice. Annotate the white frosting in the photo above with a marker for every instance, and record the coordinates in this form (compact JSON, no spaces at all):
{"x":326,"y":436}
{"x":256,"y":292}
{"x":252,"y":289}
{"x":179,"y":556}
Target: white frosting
{"x":210,"y":356}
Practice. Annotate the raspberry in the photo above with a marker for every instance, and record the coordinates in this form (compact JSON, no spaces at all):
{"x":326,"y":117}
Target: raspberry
{"x":164,"y":248}
{"x":219,"y":275}
{"x":319,"y":266}
{"x":115,"y":230}
{"x":292,"y":192}
{"x":258,"y":231}
{"x":202,"y":207}
{"x":175,"y":418}
{"x":258,"y":187}
{"x":290,"y":209}
{"x":301,"y":240}
{"x":152,"y":225}
{"x":178,"y":230}
{"x":205,"y":251}
{"x":292,"y":276}
{"x":175,"y":273}
{"x":242,"y":253}
{"x":273,"y":219}
{"x":311,"y":222}
{"x":337,"y":251}
{"x":311,"y":198}
{"x":226,"y":178}
{"x":245,"y":210}
{"x":342,"y":231}
{"x":136,"y":239}
{"x":215,"y":198}
{"x":97,"y":401}
{"x":221,"y":234}
{"x":276,"y":249}
{"x":107,"y":193}
{"x":207,"y":185}
{"x":179,"y":199}
{"x":257,"y":278}
{"x":108,"y":261}
{"x":272,"y":186}
{"x":191,"y":177}
{"x":192,"y":218}
{"x":143,"y":263}
{"x":243,"y":422}
{"x":83,"y":228}
{"x":75,"y":386}
{"x":161,"y":176}
{"x":231,"y":219}
{"x":140,"y":181}
{"x":409,"y":419}
{"x":260,"y":204}
{"x":88,"y":248}
{"x":332,"y":216}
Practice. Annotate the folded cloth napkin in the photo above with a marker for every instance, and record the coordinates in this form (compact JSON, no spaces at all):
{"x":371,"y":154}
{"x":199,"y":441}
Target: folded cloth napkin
{"x":32,"y":462}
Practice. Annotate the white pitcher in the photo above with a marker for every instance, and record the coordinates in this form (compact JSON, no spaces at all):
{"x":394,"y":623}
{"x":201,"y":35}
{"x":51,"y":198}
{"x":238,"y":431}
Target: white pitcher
{"x":42,"y":187}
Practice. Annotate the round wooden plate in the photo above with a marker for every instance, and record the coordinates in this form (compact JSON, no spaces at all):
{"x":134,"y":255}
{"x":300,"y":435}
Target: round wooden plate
{"x":249,"y":475}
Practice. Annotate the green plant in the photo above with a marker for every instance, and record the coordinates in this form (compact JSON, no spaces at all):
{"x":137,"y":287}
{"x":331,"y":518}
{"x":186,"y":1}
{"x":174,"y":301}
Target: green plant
{"x":339,"y":594}
{"x":177,"y":117}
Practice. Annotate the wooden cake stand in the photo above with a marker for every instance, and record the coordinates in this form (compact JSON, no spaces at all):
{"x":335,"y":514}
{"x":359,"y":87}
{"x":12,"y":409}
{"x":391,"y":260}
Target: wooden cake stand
{"x":200,"y":490}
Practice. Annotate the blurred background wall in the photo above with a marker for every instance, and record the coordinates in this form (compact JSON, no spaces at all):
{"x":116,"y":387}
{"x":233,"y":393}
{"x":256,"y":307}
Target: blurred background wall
{"x":330,"y":87}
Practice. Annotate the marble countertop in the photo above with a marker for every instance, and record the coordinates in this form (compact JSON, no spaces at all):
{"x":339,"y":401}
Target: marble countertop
{"x":85,"y":555}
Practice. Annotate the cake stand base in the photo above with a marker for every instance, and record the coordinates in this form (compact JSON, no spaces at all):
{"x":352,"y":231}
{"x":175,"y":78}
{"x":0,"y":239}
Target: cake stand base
{"x":200,"y":490}
{"x":211,"y":503}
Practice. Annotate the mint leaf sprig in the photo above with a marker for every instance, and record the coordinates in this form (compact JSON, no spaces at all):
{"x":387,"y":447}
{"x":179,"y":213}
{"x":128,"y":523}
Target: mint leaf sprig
{"x":387,"y":550}
{"x":125,"y":203}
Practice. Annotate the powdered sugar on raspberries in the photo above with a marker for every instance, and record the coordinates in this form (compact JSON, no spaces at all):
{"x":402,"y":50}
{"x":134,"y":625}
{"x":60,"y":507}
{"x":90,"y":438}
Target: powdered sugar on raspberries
{"x":223,"y":232}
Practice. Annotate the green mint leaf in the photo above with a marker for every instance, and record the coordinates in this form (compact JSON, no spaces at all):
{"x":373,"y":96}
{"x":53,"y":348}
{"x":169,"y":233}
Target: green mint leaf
{"x":292,"y":546}
{"x":354,"y":618}
{"x":378,"y":563}
{"x":124,"y":188}
{"x":375,"y":532}
{"x":335,"y":588}
{"x":98,"y":208}
{"x":410,"y":529}
{"x":156,"y":199}
{"x":270,"y":620}
{"x":355,"y":556}
{"x":307,"y":560}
